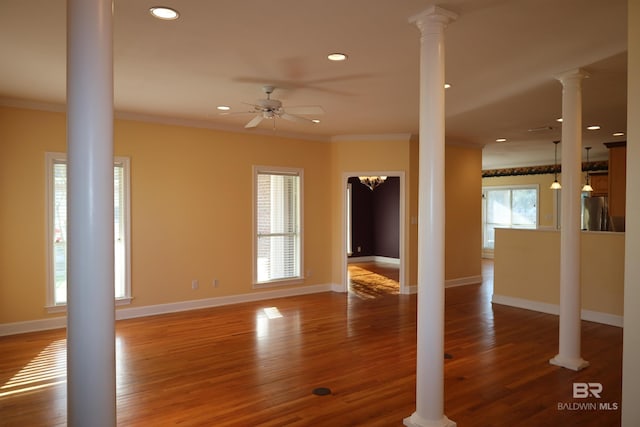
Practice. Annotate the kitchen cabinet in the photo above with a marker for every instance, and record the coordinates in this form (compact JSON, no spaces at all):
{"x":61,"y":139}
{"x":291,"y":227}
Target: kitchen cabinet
{"x":600,"y":183}
{"x":617,"y":179}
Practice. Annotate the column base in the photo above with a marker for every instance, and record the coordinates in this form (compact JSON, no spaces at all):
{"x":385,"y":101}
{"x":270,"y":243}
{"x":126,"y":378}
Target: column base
{"x":575,"y":364}
{"x":416,"y":421}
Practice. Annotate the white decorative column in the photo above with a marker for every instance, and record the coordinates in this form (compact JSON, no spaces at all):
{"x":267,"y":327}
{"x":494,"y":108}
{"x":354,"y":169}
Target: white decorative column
{"x":430,"y":325}
{"x":91,"y":384}
{"x":570,"y":233}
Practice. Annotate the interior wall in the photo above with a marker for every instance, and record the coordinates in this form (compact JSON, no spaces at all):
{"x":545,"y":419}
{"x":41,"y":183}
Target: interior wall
{"x":463,"y":186}
{"x":386,"y":229}
{"x":631,"y":346}
{"x":191,"y":208}
{"x":521,"y":253}
{"x":375,"y":229}
{"x":351,"y":156}
{"x":362,"y":217}
{"x":463,"y":212}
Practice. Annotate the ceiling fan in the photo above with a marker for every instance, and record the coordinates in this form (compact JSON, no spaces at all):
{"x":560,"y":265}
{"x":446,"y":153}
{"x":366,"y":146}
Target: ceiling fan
{"x":269,"y":108}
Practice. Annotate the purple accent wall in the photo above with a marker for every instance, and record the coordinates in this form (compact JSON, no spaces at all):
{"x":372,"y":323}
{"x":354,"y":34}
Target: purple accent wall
{"x":375,"y":219}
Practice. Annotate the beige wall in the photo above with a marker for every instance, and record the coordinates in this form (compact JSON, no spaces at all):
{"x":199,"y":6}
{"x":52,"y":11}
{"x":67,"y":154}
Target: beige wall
{"x":23,"y":142}
{"x":356,"y":156}
{"x":527,"y":267}
{"x":463,"y":203}
{"x":463,"y":230}
{"x":191,"y":207}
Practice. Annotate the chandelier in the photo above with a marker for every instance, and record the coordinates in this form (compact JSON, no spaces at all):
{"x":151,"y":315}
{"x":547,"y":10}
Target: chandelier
{"x":372,"y":181}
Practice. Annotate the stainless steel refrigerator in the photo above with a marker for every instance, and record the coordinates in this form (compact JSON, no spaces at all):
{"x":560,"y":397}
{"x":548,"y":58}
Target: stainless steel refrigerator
{"x":595,"y":213}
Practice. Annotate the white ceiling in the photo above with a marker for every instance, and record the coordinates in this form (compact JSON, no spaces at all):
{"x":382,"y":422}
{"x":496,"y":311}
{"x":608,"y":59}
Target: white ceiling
{"x":501,"y":59}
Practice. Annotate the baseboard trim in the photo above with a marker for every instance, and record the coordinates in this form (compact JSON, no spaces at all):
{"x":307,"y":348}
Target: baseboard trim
{"x":451,"y":283}
{"x":152,"y":310}
{"x":374,"y":258}
{"x":33,"y":326}
{"x":542,"y":307}
{"x":463,"y":281}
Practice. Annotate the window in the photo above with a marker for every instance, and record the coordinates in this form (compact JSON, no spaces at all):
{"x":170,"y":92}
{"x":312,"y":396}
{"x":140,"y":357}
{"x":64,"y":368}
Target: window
{"x":508,"y":207}
{"x":57,"y":229}
{"x":277,"y":225}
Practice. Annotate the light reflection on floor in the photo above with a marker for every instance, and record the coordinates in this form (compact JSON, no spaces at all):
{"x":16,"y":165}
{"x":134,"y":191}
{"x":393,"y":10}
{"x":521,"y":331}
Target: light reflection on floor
{"x":48,"y":368}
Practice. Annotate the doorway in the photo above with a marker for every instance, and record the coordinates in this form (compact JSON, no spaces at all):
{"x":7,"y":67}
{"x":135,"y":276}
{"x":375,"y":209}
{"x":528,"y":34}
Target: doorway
{"x":374,"y":235}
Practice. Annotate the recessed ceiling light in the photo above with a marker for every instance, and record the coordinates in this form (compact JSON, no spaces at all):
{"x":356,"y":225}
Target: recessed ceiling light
{"x":223,"y":107}
{"x":593,"y":127}
{"x":447,"y":85}
{"x":315,"y":121}
{"x":165,"y":13}
{"x":337,"y":56}
{"x":501,"y":140}
{"x":618,"y":134}
{"x":559,"y":120}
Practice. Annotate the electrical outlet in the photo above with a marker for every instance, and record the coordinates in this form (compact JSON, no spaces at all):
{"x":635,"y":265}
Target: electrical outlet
{"x":194,"y":284}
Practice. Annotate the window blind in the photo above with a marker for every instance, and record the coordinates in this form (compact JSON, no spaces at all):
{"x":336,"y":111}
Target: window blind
{"x":59,"y":221}
{"x":277,"y":226}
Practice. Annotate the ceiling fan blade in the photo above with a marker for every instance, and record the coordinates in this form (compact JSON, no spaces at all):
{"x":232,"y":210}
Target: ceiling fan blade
{"x":293,"y":118}
{"x":235,"y":113}
{"x":254,"y":122}
{"x":311,"y":110}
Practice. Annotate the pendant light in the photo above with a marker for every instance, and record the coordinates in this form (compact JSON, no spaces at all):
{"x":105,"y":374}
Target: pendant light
{"x":587,"y":183}
{"x":555,"y":185}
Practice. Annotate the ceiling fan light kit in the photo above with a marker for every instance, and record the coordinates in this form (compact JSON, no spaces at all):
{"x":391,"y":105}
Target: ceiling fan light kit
{"x":270,"y":108}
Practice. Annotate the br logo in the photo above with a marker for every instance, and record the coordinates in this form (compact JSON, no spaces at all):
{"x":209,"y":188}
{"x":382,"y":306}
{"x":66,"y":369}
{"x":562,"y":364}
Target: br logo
{"x":585,"y":390}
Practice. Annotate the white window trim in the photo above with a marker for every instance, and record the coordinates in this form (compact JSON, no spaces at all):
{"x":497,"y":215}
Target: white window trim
{"x":278,"y":282}
{"x":50,"y":159}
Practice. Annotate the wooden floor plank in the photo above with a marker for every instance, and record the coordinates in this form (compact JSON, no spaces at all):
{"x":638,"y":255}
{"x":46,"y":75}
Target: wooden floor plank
{"x":234,"y":366}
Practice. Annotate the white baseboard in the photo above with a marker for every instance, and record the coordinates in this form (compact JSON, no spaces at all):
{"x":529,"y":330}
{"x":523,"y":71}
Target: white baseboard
{"x":542,"y":307}
{"x":151,"y":310}
{"x":463,"y":281}
{"x":451,"y":283}
{"x":374,"y":258}
{"x":33,"y":325}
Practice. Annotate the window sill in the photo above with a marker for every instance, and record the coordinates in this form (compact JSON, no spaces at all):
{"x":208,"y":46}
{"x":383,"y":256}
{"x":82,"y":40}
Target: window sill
{"x":279,"y":282}
{"x":62,"y":308}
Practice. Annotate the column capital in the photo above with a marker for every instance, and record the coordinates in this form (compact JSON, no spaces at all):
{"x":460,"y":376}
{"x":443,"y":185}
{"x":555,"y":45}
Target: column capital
{"x":577,"y":74}
{"x":433,"y":15}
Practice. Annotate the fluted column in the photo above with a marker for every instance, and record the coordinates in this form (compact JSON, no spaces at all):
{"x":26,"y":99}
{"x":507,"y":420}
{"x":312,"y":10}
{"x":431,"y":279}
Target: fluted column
{"x":91,"y":386}
{"x":570,"y":296}
{"x":430,"y":325}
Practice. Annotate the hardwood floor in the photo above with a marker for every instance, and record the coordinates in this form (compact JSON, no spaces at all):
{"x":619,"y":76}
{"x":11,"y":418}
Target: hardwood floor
{"x":243,"y":365}
{"x":373,"y":279}
{"x":392,"y":271}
